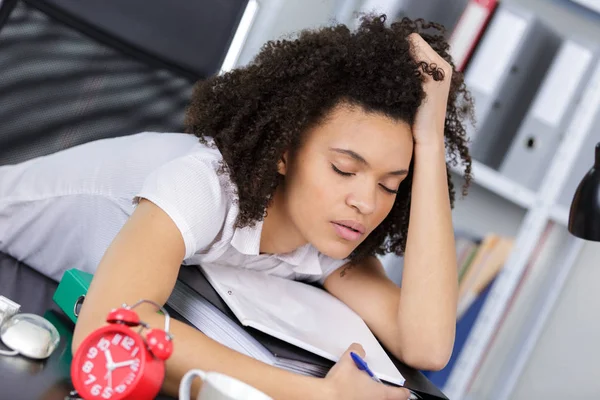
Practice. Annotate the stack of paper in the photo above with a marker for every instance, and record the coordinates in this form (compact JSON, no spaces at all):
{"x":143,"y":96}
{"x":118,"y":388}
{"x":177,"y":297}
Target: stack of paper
{"x":221,"y":328}
{"x":262,"y":315}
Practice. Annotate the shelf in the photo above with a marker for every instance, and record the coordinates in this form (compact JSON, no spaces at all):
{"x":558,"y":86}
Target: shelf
{"x":495,"y":182}
{"x":560,"y":215}
{"x":504,"y":187}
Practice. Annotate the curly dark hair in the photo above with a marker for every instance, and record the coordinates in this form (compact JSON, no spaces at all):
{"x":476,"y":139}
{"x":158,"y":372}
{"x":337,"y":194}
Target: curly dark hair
{"x":257,"y":112}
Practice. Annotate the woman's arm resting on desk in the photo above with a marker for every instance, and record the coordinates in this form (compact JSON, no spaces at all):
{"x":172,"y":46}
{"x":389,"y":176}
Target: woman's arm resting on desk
{"x":143,"y":262}
{"x":425,"y":308}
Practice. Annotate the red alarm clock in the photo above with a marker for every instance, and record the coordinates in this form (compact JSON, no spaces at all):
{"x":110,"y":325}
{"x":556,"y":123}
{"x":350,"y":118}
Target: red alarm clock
{"x":116,"y":362}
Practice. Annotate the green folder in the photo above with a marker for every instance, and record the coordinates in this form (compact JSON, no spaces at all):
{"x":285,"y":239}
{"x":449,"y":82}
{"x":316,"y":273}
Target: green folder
{"x":71,"y":291}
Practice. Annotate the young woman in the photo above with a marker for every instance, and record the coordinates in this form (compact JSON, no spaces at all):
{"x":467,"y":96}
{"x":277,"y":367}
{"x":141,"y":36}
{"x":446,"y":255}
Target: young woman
{"x":327,"y":150}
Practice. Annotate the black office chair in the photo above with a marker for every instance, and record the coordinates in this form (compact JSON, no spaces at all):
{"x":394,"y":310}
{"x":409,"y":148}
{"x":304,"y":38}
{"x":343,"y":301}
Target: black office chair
{"x":73,"y":71}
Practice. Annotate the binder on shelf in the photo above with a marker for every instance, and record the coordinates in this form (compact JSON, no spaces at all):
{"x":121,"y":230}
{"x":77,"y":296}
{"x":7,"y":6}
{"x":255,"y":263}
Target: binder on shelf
{"x":503,"y":76}
{"x":542,"y":129}
{"x":469,"y":29}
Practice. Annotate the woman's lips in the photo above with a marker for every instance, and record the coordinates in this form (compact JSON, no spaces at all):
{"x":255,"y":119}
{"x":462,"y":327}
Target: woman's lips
{"x":345,"y":232}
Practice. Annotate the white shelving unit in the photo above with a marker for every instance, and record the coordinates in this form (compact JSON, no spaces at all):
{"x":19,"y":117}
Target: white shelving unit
{"x":543,"y":209}
{"x":504,"y":187}
{"x":511,"y":191}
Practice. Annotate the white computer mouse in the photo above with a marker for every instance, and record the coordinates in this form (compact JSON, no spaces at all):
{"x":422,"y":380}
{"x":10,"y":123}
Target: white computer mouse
{"x":30,"y":335}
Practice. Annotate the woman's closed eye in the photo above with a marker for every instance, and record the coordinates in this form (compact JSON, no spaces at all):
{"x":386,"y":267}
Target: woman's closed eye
{"x":344,"y":173}
{"x":339,"y":171}
{"x":387,"y":189}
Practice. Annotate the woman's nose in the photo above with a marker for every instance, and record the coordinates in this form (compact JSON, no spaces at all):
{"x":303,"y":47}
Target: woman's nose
{"x":363,"y":200}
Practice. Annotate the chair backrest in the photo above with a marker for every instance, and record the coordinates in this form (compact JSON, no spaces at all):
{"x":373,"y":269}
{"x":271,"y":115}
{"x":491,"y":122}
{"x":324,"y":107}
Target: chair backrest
{"x":64,"y":81}
{"x":194,"y":34}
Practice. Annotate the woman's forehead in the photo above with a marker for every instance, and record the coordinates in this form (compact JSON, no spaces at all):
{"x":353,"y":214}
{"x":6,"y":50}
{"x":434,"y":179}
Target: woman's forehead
{"x":352,"y":126}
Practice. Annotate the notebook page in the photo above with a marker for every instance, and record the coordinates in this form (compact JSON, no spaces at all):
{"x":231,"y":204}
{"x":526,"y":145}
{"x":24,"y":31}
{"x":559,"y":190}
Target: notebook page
{"x":299,"y":314}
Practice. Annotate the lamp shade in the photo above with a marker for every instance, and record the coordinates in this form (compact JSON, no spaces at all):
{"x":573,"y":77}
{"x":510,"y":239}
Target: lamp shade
{"x":584,"y":216}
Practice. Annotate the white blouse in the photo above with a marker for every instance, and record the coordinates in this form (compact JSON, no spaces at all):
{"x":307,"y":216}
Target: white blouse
{"x":63,"y":210}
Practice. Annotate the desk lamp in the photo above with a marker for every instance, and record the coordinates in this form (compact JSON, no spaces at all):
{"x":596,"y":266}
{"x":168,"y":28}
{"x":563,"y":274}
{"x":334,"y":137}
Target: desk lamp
{"x":584,"y":216}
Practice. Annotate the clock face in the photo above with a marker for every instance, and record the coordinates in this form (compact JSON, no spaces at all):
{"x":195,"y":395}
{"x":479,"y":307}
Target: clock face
{"x":109,"y":364}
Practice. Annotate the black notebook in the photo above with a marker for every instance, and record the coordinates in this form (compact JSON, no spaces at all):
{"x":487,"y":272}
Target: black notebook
{"x":209,"y":313}
{"x":194,"y":279}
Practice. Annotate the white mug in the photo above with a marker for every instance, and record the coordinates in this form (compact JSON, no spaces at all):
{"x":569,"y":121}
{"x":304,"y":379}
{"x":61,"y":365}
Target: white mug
{"x":216,"y":386}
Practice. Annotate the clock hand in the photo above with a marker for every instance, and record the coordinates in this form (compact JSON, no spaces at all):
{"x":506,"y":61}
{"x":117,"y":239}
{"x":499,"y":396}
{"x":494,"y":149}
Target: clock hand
{"x":109,"y":373}
{"x":109,"y":360}
{"x":110,"y":366}
{"x":123,"y":364}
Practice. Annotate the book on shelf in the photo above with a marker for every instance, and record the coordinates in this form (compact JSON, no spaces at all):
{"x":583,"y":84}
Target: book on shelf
{"x":466,"y":248}
{"x":481,"y":267}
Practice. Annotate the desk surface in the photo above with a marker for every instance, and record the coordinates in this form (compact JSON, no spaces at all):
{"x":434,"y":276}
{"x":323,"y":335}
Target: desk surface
{"x":21,"y":378}
{"x":24,"y":379}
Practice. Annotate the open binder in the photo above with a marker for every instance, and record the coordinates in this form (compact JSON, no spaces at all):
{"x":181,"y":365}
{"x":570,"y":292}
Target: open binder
{"x":195,"y":300}
{"x":296,"y":313}
{"x":201,"y":306}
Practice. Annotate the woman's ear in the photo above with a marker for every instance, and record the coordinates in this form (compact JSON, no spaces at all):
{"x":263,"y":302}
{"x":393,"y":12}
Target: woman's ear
{"x":283,"y":163}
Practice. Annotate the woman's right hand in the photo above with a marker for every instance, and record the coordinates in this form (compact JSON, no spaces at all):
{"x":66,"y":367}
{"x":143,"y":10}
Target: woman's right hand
{"x":350,"y":383}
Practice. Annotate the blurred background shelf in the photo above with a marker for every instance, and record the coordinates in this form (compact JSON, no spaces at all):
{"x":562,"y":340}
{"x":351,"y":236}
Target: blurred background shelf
{"x":495,"y":182}
{"x":560,"y":215}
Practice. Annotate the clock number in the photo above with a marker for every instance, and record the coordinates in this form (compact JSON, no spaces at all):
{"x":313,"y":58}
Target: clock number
{"x":91,"y":379}
{"x":127,"y":342}
{"x":136,"y":365}
{"x":130,"y":378}
{"x":103,"y":344}
{"x":92,"y":353}
{"x":116,"y":339}
{"x":107,"y":393}
{"x":95,"y":390}
{"x":121,"y":388}
{"x":88,"y":366}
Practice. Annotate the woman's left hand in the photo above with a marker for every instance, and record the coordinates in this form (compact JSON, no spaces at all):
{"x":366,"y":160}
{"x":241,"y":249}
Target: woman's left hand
{"x":428,"y":127}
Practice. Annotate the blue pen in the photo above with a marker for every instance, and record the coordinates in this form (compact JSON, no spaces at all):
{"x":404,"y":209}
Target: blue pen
{"x":362,"y":365}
